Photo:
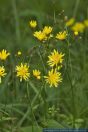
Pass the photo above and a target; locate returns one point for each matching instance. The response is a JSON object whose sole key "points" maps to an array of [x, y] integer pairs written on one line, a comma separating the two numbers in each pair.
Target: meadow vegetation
{"points": [[43, 65]]}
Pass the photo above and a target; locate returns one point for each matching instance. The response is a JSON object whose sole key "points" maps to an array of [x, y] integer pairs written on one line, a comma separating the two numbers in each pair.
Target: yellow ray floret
{"points": [[70, 22], [76, 33], [2, 72], [86, 22], [40, 35], [19, 53], [78, 27], [4, 54], [23, 71], [47, 30], [61, 35], [55, 58], [33, 23], [53, 78], [37, 74]]}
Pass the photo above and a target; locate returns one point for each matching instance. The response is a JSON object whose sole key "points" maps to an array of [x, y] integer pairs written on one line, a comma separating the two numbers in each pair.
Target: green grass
{"points": [[24, 107]]}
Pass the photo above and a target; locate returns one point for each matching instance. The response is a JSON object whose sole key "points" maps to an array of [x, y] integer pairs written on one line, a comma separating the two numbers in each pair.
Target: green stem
{"points": [[73, 99], [41, 58], [69, 77], [76, 8], [69, 55], [30, 105], [33, 116], [18, 36], [45, 103]]}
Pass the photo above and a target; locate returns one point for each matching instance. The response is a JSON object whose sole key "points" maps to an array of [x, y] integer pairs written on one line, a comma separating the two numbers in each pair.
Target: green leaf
{"points": [[79, 120], [31, 129], [54, 124]]}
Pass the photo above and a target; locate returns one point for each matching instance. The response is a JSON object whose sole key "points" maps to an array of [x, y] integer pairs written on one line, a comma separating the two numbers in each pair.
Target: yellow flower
{"points": [[86, 22], [19, 53], [37, 73], [53, 78], [76, 33], [40, 35], [78, 27], [55, 58], [70, 22], [47, 30], [23, 71], [4, 54], [2, 72], [33, 23], [61, 35]]}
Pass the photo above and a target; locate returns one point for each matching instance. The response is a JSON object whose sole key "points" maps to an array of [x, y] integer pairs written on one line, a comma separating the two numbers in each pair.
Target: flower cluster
{"points": [[23, 72], [46, 33], [77, 27], [54, 61], [53, 75]]}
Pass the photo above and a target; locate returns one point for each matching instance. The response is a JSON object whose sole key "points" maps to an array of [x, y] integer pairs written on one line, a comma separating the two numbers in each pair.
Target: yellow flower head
{"points": [[78, 27], [86, 22], [47, 30], [19, 53], [55, 58], [61, 35], [4, 54], [53, 78], [76, 33], [2, 72], [40, 35], [33, 23], [23, 71], [37, 73], [70, 22]]}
